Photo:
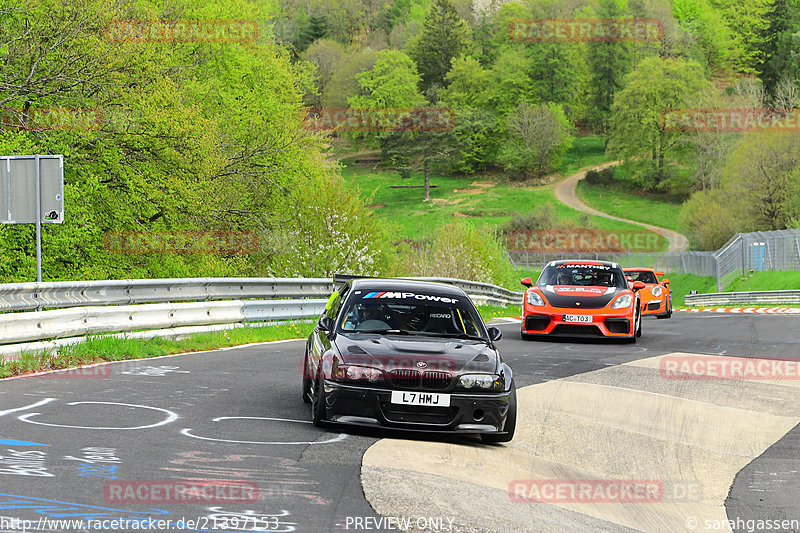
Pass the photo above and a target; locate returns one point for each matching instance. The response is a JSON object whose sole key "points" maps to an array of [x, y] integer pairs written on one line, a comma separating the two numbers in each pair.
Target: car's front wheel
{"points": [[318, 403], [511, 421]]}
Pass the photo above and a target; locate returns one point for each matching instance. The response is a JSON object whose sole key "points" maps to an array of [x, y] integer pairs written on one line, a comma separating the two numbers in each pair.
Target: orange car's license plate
{"points": [[577, 318]]}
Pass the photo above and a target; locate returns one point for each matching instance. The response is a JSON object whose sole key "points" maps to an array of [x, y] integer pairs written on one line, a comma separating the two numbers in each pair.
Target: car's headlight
{"points": [[657, 290], [622, 302], [356, 373], [534, 299], [481, 381]]}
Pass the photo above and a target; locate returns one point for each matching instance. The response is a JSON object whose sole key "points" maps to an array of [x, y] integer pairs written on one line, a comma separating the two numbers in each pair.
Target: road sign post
{"points": [[32, 192]]}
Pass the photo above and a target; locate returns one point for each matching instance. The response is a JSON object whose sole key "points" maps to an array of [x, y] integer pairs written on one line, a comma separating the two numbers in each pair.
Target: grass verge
{"points": [[766, 281], [101, 348], [648, 208]]}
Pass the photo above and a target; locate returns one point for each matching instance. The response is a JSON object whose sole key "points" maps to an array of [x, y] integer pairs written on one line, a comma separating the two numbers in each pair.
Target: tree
{"points": [[637, 135], [608, 64], [510, 82], [316, 28], [391, 82], [538, 138], [325, 55], [415, 151], [444, 36], [708, 29], [746, 21], [478, 128], [762, 179], [344, 81], [781, 45]]}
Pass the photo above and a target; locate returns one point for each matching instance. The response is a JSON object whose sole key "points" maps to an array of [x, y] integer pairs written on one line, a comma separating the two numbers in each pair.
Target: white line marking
{"points": [[31, 406], [171, 417], [188, 432]]}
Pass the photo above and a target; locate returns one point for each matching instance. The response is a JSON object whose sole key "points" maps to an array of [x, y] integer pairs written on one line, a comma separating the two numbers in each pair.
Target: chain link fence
{"points": [[761, 250]]}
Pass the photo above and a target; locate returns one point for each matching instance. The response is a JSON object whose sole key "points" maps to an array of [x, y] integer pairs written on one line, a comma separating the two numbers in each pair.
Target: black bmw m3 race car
{"points": [[408, 355]]}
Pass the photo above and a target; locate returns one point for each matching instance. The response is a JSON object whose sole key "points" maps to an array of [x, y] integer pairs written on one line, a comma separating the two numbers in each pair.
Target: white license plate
{"points": [[577, 318], [421, 398]]}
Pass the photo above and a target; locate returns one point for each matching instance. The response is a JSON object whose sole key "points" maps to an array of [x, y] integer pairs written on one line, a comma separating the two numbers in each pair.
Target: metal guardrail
{"points": [[79, 308], [61, 294], [744, 298]]}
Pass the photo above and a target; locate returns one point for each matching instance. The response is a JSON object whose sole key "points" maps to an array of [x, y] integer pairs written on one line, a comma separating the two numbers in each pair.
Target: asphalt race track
{"points": [[140, 439]]}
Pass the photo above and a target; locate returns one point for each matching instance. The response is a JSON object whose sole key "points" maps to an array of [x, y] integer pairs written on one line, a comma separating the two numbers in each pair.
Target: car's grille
{"points": [[407, 379], [413, 379], [617, 325], [653, 306], [418, 414], [536, 323], [435, 380], [575, 329]]}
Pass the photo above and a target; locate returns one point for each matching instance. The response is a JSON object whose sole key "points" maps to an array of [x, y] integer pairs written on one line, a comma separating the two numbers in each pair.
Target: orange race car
{"points": [[656, 296], [578, 298]]}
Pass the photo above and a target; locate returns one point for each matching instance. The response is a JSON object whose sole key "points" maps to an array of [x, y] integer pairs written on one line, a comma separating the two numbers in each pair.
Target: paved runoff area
{"points": [[694, 428]]}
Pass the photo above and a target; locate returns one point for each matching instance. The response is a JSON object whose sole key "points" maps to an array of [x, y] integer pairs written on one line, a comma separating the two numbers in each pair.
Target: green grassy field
{"points": [[486, 201], [586, 150], [765, 281], [650, 209]]}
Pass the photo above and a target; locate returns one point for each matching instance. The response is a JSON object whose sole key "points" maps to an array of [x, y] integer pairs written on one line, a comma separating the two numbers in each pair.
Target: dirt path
{"points": [[566, 193]]}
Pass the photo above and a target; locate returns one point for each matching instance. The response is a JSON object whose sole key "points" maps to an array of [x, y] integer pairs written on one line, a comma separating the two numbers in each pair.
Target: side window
{"points": [[335, 302]]}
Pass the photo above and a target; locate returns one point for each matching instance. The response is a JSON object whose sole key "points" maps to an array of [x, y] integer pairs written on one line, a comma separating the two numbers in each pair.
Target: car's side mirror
{"points": [[325, 323], [494, 333], [528, 282], [638, 285], [666, 281]]}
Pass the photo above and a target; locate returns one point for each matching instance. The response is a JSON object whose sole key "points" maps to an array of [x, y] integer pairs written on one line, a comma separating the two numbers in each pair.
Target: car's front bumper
{"points": [[468, 413], [552, 323], [656, 306]]}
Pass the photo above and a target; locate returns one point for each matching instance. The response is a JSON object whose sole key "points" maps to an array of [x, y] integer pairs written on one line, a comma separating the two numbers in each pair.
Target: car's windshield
{"points": [[584, 274], [418, 313], [645, 276]]}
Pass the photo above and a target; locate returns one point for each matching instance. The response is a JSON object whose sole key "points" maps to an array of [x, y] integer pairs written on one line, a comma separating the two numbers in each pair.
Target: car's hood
{"points": [[392, 352], [577, 297]]}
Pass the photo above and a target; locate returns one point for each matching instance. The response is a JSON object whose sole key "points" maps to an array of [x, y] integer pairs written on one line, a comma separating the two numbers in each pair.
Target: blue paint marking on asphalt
{"points": [[12, 442], [65, 510]]}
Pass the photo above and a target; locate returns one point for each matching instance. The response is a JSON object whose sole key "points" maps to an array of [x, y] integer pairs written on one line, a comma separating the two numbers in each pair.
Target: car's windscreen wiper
{"points": [[457, 336], [385, 331]]}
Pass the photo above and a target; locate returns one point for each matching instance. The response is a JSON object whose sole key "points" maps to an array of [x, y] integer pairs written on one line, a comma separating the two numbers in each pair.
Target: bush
{"points": [[458, 250], [543, 217], [331, 232], [601, 177], [711, 223]]}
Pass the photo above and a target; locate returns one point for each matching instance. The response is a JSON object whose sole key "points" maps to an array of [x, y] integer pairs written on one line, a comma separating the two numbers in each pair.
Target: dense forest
{"points": [[214, 135], [518, 102]]}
